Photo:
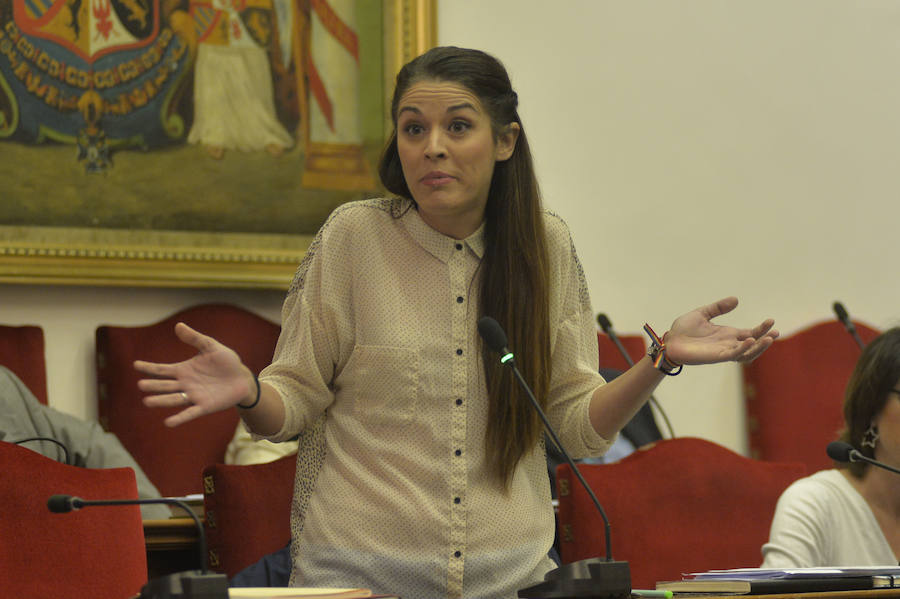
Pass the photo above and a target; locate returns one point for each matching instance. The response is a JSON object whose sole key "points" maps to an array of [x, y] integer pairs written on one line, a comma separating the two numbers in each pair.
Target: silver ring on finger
{"points": [[185, 399]]}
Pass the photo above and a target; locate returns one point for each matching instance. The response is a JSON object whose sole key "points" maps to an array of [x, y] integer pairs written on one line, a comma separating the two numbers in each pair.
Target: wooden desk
{"points": [[171, 546]]}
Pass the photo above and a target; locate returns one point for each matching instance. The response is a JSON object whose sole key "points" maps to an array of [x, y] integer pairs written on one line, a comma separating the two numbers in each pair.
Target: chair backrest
{"points": [[679, 505], [248, 511], [22, 351], [174, 458], [801, 379], [94, 552], [611, 357]]}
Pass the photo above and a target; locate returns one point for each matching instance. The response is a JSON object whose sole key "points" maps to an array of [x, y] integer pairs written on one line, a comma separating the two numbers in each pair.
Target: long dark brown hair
{"points": [[876, 374], [514, 269]]}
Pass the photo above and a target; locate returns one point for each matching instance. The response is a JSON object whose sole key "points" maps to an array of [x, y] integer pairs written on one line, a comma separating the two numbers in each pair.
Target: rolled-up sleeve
{"points": [[315, 332], [574, 350]]}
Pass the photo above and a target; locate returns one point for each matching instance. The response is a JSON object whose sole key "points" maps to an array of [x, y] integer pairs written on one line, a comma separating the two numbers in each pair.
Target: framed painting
{"points": [[189, 143]]}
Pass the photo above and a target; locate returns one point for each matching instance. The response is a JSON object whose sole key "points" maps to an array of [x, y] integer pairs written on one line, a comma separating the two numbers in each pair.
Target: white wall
{"points": [[705, 148], [698, 149]]}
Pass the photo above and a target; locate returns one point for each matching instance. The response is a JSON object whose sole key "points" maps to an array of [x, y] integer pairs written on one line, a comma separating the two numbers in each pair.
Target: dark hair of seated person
{"points": [[873, 380]]}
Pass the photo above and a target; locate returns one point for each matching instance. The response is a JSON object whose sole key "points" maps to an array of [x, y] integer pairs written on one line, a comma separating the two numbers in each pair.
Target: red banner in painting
{"points": [[335, 26]]}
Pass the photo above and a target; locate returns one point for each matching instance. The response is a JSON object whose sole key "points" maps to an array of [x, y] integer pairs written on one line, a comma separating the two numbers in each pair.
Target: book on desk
{"points": [[758, 581]]}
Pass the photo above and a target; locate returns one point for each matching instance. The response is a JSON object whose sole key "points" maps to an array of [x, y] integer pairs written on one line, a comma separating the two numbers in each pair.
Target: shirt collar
{"points": [[437, 244]]}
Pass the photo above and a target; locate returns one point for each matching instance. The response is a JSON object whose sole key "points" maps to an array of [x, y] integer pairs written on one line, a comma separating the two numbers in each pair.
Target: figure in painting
{"points": [[92, 145], [234, 107]]}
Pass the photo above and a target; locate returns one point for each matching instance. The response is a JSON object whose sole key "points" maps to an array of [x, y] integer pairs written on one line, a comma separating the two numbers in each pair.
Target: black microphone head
{"points": [[841, 312], [492, 333], [839, 451], [60, 504], [604, 322]]}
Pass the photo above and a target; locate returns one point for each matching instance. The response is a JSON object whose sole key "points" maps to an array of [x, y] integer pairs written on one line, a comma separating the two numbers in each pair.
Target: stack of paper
{"points": [[755, 581]]}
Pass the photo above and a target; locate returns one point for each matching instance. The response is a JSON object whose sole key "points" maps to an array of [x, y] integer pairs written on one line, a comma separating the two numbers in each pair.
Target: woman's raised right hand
{"points": [[213, 380]]}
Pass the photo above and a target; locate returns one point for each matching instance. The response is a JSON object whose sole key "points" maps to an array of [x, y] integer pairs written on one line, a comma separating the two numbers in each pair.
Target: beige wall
{"points": [[697, 148], [705, 148]]}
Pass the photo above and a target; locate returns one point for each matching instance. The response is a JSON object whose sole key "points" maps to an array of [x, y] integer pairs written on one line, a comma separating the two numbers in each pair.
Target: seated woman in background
{"points": [[850, 516]]}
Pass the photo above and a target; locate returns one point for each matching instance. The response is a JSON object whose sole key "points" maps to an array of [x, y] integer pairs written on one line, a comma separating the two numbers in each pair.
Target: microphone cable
{"points": [[50, 439]]}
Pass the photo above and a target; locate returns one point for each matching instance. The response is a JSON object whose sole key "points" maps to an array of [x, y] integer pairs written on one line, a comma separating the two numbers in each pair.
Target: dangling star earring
{"points": [[870, 437]]}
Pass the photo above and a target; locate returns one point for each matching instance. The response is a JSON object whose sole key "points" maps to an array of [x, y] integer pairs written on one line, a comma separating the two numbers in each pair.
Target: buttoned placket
{"points": [[459, 284]]}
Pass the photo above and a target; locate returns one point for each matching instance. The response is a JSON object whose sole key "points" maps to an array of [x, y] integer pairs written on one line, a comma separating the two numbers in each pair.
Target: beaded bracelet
{"points": [[258, 395], [657, 353]]}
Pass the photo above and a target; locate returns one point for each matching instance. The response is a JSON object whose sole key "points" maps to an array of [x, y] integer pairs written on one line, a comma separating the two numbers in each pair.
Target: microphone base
{"points": [[585, 579], [191, 584]]}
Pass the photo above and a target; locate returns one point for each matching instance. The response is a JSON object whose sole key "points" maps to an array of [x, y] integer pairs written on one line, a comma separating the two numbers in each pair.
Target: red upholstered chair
{"points": [[679, 505], [174, 458], [794, 393], [94, 552], [611, 357], [22, 351], [248, 511]]}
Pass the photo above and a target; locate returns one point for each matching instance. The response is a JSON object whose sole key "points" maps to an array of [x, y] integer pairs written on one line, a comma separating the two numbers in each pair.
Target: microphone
{"points": [[842, 315], [191, 584], [844, 452], [606, 325], [585, 578]]}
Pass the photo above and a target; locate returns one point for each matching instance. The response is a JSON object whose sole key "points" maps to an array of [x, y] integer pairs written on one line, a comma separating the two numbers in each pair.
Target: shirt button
{"points": [[457, 553], [459, 246], [458, 452], [456, 500], [458, 402], [459, 300], [459, 352]]}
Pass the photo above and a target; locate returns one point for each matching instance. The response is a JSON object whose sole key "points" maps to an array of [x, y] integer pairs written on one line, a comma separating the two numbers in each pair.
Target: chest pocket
{"points": [[386, 384]]}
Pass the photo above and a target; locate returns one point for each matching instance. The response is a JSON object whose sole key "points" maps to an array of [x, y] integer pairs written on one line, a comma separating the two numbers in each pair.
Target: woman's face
{"points": [[887, 448], [448, 150]]}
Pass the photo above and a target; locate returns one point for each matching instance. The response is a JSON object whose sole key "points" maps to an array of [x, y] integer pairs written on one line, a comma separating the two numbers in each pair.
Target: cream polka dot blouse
{"points": [[379, 366]]}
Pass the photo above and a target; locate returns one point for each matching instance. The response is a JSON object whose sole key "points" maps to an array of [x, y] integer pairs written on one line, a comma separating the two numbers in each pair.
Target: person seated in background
{"points": [[27, 422], [243, 450], [850, 515]]}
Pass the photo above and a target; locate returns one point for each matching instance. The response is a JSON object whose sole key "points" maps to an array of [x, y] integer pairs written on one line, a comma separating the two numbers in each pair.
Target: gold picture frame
{"points": [[167, 258]]}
